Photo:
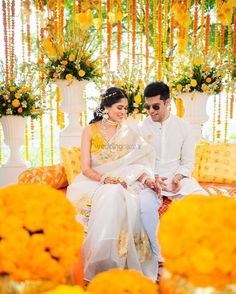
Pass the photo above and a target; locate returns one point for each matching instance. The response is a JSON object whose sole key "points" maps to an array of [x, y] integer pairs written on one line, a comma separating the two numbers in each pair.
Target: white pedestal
{"points": [[13, 134], [195, 111], [9, 175], [73, 104]]}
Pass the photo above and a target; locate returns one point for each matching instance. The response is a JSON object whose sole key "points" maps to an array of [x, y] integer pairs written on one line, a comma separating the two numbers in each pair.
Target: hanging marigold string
{"points": [[214, 120], [100, 38], [159, 72], [141, 36], [128, 33], [119, 32], [171, 47], [202, 18], [226, 115], [222, 39], [147, 20], [164, 43], [8, 9], [195, 22], [234, 50], [109, 35], [79, 5], [155, 30], [207, 34], [133, 30], [231, 111], [51, 127], [218, 134], [216, 42]]}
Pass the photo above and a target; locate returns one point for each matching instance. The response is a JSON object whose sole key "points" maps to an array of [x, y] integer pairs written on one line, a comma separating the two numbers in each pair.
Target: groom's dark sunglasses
{"points": [[154, 106]]}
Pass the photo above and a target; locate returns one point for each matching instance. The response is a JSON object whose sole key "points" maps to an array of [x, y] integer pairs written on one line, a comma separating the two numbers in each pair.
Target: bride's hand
{"points": [[113, 180]]}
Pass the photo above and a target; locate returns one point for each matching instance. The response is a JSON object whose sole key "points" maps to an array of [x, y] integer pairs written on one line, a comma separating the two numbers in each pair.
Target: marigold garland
{"points": [[147, 19], [197, 254], [132, 282], [39, 237]]}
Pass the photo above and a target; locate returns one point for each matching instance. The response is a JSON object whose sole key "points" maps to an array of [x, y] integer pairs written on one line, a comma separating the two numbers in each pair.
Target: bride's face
{"points": [[117, 112]]}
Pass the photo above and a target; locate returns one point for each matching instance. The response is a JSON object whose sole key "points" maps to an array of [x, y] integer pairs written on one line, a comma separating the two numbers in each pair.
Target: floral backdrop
{"points": [[93, 39]]}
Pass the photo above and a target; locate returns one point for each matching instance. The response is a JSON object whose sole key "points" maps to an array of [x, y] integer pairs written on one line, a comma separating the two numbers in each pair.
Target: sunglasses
{"points": [[154, 106]]}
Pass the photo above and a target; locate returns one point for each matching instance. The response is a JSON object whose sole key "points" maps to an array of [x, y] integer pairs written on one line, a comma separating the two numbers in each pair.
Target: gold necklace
{"points": [[110, 122]]}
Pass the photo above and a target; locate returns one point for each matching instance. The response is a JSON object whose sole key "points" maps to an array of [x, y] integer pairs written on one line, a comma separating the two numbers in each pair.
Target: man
{"points": [[173, 143]]}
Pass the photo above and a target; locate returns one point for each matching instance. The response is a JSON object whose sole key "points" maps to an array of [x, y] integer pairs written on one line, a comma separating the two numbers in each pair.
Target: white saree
{"points": [[115, 235]]}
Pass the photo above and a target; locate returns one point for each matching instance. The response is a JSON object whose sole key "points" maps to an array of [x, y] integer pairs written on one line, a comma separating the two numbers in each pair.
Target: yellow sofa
{"points": [[215, 169]]}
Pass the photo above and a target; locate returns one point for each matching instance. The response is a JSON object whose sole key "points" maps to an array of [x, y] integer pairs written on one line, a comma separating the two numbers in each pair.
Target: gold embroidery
{"points": [[122, 244], [142, 245]]}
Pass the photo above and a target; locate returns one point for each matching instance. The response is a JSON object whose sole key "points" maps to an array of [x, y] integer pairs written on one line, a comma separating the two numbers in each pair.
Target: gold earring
{"points": [[105, 114]]}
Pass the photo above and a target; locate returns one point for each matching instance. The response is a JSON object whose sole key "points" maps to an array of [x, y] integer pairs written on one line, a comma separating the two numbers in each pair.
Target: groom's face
{"points": [[157, 108]]}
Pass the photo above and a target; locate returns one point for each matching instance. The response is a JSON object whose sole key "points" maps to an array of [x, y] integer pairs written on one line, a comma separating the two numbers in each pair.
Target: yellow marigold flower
{"points": [[19, 110], [207, 68], [109, 282], [197, 62], [64, 289], [40, 228], [204, 88], [141, 84], [32, 96], [193, 83], [69, 77], [85, 19], [17, 95], [138, 99], [64, 62], [81, 73], [111, 17], [208, 80], [71, 57], [179, 87], [200, 258], [12, 89], [15, 103]]}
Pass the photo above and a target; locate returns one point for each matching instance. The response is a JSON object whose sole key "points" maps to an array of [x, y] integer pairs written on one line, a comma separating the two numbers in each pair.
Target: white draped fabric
{"points": [[115, 235]]}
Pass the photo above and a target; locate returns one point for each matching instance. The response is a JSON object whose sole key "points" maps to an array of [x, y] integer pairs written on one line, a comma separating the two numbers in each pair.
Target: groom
{"points": [[173, 144]]}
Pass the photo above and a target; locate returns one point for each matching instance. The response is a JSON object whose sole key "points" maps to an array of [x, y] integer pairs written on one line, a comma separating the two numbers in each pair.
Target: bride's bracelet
{"points": [[104, 177]]}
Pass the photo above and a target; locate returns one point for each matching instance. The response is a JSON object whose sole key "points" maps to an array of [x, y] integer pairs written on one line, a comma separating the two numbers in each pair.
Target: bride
{"points": [[116, 163]]}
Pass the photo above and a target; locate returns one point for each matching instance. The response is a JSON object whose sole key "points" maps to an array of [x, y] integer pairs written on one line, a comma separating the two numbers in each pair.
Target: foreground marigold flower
{"points": [[121, 282], [198, 240]]}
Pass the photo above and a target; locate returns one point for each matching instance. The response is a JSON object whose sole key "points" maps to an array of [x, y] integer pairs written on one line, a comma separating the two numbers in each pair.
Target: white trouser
{"points": [[149, 205]]}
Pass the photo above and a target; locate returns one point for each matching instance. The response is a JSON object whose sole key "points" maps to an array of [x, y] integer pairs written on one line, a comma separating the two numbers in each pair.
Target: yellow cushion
{"points": [[54, 176], [218, 163], [199, 152], [70, 158]]}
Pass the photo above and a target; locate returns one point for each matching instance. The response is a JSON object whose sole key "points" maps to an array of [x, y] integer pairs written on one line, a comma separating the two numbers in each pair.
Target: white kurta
{"points": [[174, 147]]}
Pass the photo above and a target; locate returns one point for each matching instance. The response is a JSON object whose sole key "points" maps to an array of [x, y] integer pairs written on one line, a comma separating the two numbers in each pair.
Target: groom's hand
{"points": [[176, 186], [162, 182], [152, 184]]}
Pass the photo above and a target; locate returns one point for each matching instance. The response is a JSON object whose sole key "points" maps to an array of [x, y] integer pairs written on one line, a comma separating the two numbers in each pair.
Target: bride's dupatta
{"points": [[111, 213]]}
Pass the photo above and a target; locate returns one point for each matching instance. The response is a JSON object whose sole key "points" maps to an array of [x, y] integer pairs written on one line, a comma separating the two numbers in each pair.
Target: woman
{"points": [[115, 163]]}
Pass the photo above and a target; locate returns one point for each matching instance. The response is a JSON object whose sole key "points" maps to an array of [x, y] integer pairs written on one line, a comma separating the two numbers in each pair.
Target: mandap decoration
{"points": [[198, 262], [71, 64], [194, 83], [40, 241]]}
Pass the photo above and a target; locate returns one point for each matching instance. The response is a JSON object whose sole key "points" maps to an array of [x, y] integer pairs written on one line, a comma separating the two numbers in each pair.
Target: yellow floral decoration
{"points": [[39, 237], [121, 282], [198, 241]]}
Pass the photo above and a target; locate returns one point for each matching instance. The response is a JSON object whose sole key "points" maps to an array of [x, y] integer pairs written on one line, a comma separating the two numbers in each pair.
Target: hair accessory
{"points": [[99, 112], [105, 96]]}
